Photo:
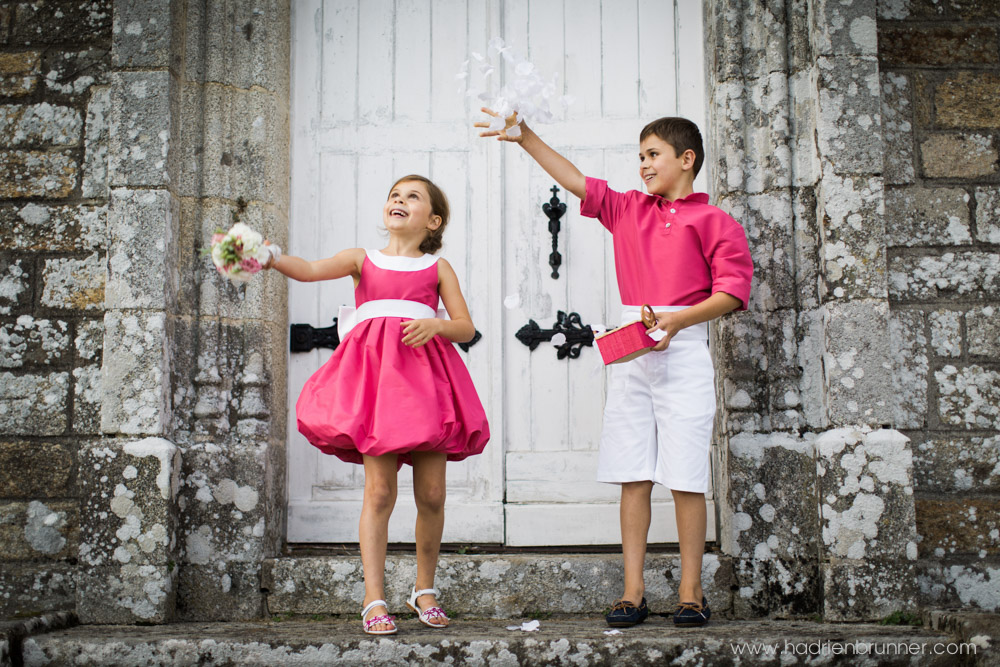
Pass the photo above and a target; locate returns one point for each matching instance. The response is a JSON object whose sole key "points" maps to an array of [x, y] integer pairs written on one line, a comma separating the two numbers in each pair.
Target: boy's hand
{"points": [[418, 333], [503, 135], [666, 321]]}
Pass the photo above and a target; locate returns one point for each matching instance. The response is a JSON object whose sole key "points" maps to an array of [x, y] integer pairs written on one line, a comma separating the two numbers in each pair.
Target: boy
{"points": [[691, 262]]}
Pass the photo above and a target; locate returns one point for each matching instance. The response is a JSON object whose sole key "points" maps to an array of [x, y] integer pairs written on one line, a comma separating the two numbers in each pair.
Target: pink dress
{"points": [[378, 396]]}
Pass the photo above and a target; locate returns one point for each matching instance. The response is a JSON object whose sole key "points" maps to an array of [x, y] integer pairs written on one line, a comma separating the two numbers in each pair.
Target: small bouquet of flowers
{"points": [[240, 253]]}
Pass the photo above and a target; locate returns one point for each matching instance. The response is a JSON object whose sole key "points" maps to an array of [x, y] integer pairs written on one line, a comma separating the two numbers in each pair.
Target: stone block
{"points": [[46, 228], [89, 341], [949, 155], [957, 464], [38, 174], [968, 397], [32, 342], [776, 588], [907, 45], [958, 526], [857, 362], [28, 589], [19, 72], [142, 132], [955, 584], [740, 340], [143, 32], [74, 284], [969, 100], [768, 221], [866, 495], [227, 592], [33, 404], [897, 128], [128, 538], [15, 286], [983, 332], [927, 216], [807, 239], [95, 162], [135, 384], [849, 124], [87, 399], [951, 275], [960, 10], [54, 22], [731, 167], [946, 332], [51, 465], [853, 237], [71, 74], [35, 124], [867, 590], [909, 355], [806, 165], [812, 384], [724, 28], [37, 530], [843, 29], [767, 133], [142, 267], [988, 214]]}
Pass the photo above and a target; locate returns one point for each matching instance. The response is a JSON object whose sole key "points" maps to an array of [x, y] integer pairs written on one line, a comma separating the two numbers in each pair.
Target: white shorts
{"points": [[659, 413]]}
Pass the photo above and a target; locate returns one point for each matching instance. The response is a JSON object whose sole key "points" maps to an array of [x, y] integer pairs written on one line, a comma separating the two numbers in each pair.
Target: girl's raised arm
{"points": [[344, 263]]}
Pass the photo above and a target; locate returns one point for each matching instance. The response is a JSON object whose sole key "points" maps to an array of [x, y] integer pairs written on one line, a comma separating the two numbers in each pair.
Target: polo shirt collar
{"points": [[694, 198]]}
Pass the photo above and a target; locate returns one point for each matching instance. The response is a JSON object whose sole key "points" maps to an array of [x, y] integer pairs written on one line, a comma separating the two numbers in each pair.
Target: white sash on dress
{"points": [[348, 316]]}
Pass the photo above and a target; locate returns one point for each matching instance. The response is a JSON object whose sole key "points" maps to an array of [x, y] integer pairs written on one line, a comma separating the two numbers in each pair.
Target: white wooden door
{"points": [[374, 97]]}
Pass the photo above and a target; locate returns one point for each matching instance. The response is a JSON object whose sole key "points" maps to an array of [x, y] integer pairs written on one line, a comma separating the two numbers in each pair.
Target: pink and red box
{"points": [[629, 340]]}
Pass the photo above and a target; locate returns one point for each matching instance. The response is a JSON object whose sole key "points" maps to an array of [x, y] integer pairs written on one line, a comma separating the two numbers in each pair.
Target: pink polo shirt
{"points": [[671, 253]]}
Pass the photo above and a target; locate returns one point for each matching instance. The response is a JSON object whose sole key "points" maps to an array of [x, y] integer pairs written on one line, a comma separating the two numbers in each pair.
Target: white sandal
{"points": [[427, 616], [375, 620]]}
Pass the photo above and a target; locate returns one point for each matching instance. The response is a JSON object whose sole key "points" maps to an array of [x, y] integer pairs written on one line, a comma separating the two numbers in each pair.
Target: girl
{"points": [[396, 391]]}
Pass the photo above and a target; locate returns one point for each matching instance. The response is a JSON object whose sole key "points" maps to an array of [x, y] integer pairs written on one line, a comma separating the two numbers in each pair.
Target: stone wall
{"points": [[940, 76], [55, 62]]}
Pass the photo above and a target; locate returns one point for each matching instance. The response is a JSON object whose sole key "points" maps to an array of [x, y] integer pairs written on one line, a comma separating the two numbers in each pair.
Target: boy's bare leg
{"points": [[635, 516], [373, 529], [429, 494], [691, 525]]}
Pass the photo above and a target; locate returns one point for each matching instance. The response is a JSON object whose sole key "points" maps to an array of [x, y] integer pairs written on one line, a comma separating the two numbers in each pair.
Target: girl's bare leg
{"points": [[429, 494], [373, 530]]}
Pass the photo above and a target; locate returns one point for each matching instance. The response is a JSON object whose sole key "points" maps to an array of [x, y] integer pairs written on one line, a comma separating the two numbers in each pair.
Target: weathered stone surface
{"points": [[945, 155], [908, 344], [41, 227], [962, 10], [969, 100], [897, 128], [983, 332], [142, 269], [142, 129], [849, 123], [135, 383], [51, 465], [51, 22], [487, 586], [32, 342], [957, 464], [853, 237], [776, 587], [857, 362], [866, 495], [964, 526], [71, 74], [937, 45], [767, 133], [968, 397], [142, 33], [226, 591], [89, 341], [15, 285], [95, 163], [927, 216], [955, 584], [844, 29], [38, 530], [32, 588], [33, 404], [39, 124], [946, 332], [87, 399], [19, 72], [38, 174], [74, 284], [868, 589], [988, 214], [128, 530], [974, 275]]}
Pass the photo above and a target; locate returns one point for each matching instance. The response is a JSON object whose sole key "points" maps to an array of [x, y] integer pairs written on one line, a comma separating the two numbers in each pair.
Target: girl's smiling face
{"points": [[409, 209]]}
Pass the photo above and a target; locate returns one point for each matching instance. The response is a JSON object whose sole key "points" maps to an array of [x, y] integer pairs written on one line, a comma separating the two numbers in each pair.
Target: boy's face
{"points": [[660, 168]]}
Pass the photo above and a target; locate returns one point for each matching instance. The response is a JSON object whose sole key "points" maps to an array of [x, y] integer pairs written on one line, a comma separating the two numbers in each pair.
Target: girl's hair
{"points": [[439, 207]]}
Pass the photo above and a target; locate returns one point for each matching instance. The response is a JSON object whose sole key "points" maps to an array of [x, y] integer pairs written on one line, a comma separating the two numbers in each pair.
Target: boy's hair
{"points": [[680, 133], [439, 207]]}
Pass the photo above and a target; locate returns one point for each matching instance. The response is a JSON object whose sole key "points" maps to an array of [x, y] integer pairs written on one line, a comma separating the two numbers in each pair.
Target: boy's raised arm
{"points": [[557, 166]]}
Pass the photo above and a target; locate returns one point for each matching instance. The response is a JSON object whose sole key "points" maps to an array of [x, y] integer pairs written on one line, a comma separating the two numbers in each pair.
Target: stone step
{"points": [[558, 641], [489, 585]]}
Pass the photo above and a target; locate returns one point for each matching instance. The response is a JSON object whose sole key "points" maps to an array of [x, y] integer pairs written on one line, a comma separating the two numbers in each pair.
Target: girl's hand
{"points": [[502, 135], [417, 333], [666, 321], [270, 260]]}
